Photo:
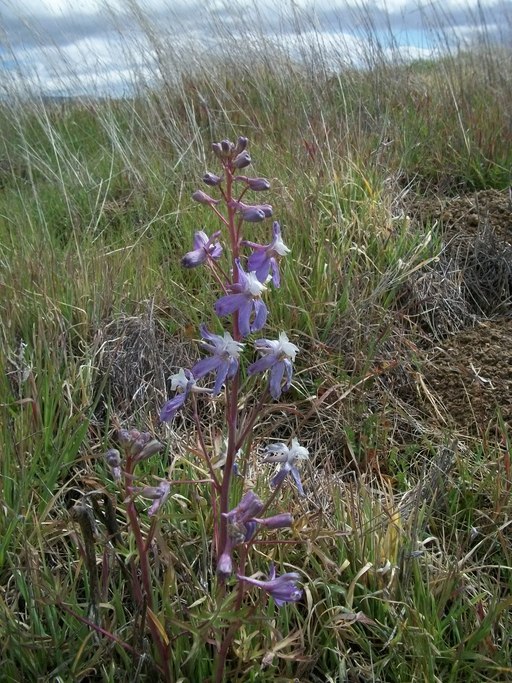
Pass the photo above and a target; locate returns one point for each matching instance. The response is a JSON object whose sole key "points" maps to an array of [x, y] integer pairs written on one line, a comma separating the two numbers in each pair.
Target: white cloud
{"points": [[87, 44]]}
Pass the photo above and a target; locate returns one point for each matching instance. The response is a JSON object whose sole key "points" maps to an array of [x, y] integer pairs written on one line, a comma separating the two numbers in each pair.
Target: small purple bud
{"points": [[139, 444], [277, 521], [258, 184], [227, 147], [242, 160], [211, 179], [158, 494], [225, 565], [241, 144], [266, 208], [149, 449], [217, 149], [113, 458], [203, 198], [124, 438], [253, 214]]}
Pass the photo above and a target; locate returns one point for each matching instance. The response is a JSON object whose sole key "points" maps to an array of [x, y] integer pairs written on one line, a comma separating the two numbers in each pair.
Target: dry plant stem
{"points": [[218, 273], [204, 450], [145, 570], [228, 639], [232, 419], [251, 420], [102, 631], [83, 515]]}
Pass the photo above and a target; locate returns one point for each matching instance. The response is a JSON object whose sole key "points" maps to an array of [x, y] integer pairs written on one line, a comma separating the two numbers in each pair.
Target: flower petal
{"points": [[229, 303], [222, 373], [276, 379], [206, 365], [170, 408], [296, 477], [261, 315], [278, 478], [244, 316], [262, 364]]}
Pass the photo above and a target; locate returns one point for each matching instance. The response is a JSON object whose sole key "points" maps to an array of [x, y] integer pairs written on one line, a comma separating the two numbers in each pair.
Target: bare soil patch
{"points": [[464, 304]]}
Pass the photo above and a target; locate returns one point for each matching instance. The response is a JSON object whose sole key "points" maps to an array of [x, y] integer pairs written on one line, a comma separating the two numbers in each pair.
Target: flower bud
{"points": [[242, 160], [276, 521], [227, 148], [217, 149], [124, 438], [211, 179], [253, 214], [139, 444], [241, 144], [113, 458], [203, 198], [149, 449], [258, 184], [225, 565]]}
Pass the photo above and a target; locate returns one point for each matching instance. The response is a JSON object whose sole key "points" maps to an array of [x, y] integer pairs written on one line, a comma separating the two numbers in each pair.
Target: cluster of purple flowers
{"points": [[252, 270], [243, 297]]}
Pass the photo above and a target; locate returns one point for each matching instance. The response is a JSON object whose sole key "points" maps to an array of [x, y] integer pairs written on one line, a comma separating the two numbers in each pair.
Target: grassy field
{"points": [[403, 539]]}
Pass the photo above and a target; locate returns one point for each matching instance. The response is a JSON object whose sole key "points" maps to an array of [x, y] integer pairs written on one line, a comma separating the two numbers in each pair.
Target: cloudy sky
{"points": [[58, 47]]}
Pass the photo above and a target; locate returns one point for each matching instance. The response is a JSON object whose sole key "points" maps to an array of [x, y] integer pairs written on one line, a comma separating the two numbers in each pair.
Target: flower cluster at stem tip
{"points": [[243, 289]]}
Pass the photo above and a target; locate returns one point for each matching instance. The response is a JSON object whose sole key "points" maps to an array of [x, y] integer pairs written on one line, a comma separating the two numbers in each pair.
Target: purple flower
{"points": [[277, 356], [265, 258], [204, 248], [242, 524], [203, 198], [158, 494], [183, 383], [245, 298], [241, 144], [243, 519], [224, 359], [288, 458], [282, 588], [280, 521], [225, 564]]}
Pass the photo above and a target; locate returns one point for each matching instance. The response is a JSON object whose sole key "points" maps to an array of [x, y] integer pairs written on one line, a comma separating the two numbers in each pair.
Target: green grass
{"points": [[95, 213]]}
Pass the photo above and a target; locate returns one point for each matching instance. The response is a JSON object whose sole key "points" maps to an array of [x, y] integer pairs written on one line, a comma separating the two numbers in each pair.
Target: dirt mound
{"points": [[468, 378], [463, 302], [467, 214]]}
